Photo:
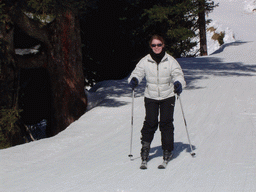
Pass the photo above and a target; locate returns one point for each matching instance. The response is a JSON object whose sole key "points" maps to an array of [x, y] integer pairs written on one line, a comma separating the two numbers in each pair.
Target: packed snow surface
{"points": [[220, 108]]}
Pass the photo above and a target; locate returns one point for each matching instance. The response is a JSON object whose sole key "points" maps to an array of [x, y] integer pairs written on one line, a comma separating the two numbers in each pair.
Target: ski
{"points": [[165, 162], [163, 165], [143, 165]]}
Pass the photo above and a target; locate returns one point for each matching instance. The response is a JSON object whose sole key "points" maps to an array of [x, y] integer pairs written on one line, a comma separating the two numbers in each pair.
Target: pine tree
{"points": [[203, 7], [174, 20], [178, 20]]}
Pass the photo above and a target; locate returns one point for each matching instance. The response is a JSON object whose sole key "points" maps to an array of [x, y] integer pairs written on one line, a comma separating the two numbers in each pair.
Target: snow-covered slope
{"points": [[220, 107], [236, 19]]}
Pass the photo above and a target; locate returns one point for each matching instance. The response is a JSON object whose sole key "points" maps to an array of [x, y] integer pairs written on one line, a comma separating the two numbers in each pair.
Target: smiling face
{"points": [[157, 46]]}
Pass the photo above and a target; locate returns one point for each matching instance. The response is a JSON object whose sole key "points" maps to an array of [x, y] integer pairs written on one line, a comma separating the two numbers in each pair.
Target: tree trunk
{"points": [[66, 73], [64, 62], [202, 28]]}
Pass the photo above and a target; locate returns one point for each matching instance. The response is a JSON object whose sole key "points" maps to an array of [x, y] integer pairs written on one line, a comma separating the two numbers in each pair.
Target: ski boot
{"points": [[144, 154], [167, 155], [145, 150]]}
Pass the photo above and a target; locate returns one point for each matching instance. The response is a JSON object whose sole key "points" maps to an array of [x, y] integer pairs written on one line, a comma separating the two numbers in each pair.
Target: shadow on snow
{"points": [[178, 148], [221, 49], [194, 69]]}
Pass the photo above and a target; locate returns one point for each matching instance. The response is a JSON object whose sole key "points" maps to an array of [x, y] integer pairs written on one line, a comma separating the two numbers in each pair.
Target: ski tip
{"points": [[161, 167], [193, 154], [143, 167]]}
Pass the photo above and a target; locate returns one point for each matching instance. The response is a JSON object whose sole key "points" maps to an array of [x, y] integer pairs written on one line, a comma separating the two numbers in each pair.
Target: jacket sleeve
{"points": [[177, 73], [138, 72]]}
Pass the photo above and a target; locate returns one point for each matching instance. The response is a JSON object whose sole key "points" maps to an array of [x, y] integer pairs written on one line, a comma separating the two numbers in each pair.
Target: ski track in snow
{"points": [[92, 153]]}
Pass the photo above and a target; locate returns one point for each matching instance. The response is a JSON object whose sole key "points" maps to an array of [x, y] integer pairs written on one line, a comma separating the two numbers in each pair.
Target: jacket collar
{"points": [[150, 59]]}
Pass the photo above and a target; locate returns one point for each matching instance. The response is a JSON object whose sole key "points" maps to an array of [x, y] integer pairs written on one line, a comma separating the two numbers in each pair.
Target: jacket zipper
{"points": [[158, 80]]}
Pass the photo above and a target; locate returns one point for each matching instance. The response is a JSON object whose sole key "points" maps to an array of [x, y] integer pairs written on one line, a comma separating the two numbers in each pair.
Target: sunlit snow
{"points": [[220, 108]]}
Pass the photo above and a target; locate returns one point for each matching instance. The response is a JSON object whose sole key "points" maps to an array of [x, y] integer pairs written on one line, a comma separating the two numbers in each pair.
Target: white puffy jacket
{"points": [[160, 77]]}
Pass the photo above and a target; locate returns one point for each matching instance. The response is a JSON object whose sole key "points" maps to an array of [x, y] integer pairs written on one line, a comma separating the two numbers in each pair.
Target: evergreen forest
{"points": [[81, 42]]}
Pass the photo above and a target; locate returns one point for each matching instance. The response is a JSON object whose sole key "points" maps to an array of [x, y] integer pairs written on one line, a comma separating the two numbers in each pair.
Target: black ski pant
{"points": [[166, 109]]}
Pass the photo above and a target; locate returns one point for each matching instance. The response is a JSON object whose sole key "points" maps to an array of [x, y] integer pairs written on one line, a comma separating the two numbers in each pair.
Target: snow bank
{"points": [[96, 94], [213, 45], [250, 6]]}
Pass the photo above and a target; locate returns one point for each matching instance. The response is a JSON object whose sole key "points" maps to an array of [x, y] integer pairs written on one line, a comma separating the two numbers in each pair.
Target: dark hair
{"points": [[158, 37]]}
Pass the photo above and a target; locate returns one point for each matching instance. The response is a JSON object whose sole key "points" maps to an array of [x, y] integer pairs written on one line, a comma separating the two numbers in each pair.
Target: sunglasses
{"points": [[158, 45]]}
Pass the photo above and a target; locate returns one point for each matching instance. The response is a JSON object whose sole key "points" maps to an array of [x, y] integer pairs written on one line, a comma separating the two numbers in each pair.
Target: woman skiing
{"points": [[164, 78]]}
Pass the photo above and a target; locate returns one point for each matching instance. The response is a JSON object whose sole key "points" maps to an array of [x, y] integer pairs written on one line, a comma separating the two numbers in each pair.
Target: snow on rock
{"points": [[212, 44], [250, 6]]}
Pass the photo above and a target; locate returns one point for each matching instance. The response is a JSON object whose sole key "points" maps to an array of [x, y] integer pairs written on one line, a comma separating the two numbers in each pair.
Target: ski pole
{"points": [[185, 122], [130, 155]]}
